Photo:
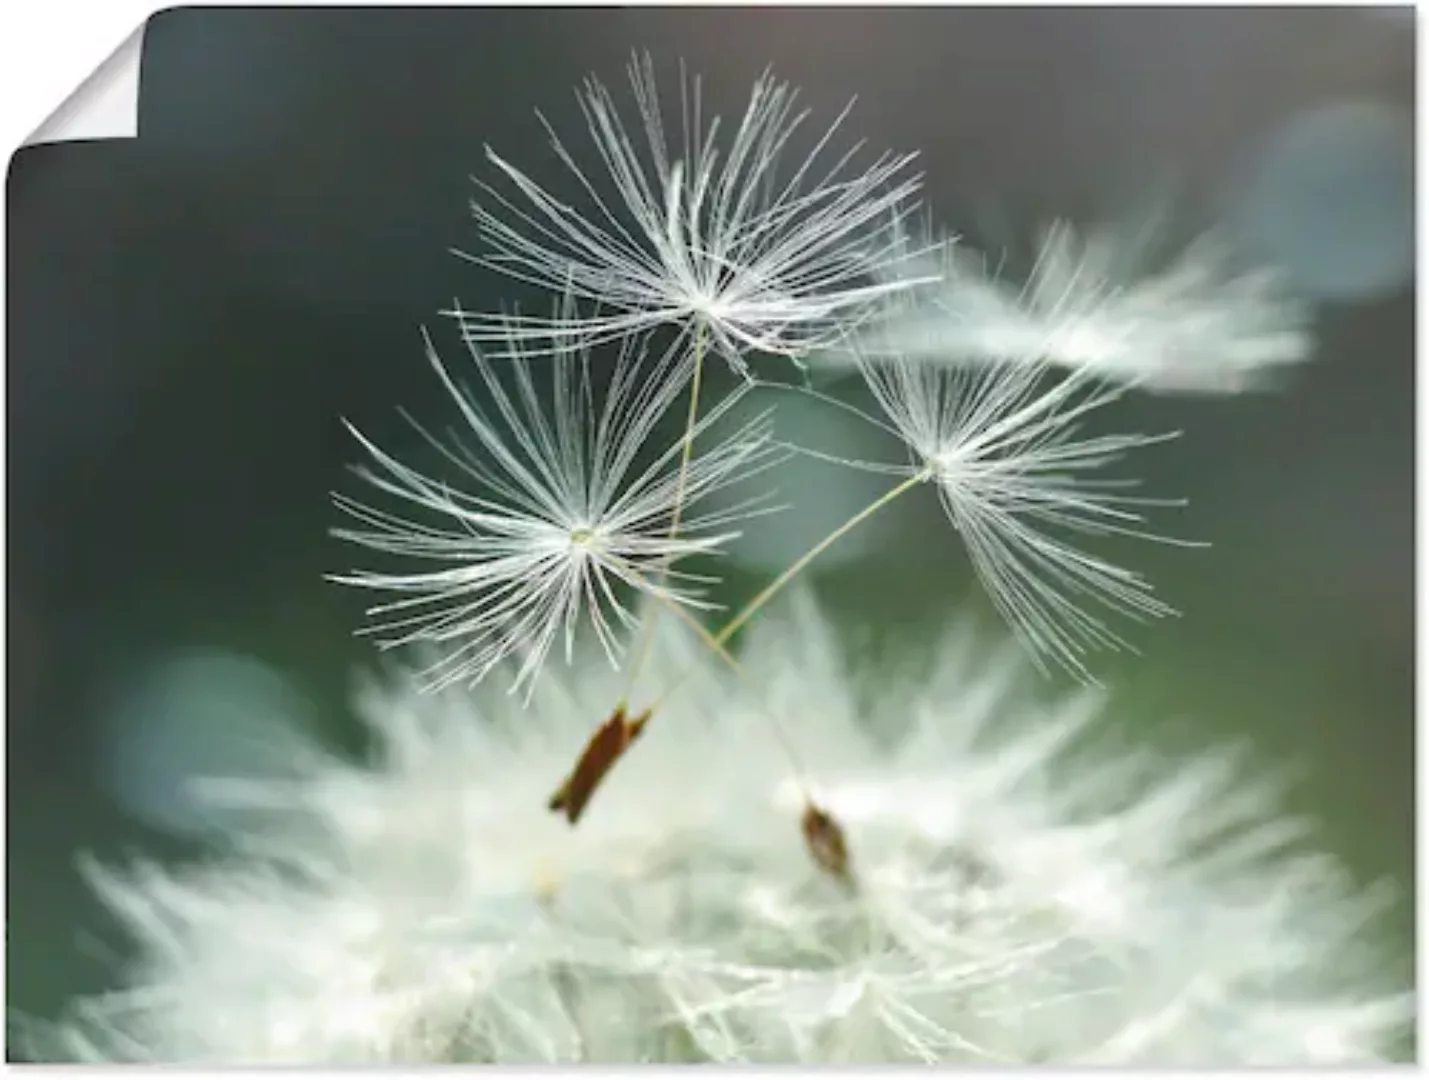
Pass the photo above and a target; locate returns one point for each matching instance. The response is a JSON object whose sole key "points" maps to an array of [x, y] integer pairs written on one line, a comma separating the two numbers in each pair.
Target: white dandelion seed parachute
{"points": [[1095, 302], [712, 238], [1001, 442], [560, 514], [1026, 892]]}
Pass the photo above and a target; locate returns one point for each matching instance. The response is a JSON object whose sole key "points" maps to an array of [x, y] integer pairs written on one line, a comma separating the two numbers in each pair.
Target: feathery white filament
{"points": [[1001, 444], [1198, 325], [560, 515], [716, 237]]}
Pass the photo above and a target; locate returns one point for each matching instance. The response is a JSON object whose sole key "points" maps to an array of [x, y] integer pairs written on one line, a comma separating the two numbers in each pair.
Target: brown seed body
{"points": [[609, 741], [824, 838]]}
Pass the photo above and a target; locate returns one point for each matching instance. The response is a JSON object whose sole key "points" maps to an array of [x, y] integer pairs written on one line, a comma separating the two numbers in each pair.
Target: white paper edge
{"points": [[105, 106]]}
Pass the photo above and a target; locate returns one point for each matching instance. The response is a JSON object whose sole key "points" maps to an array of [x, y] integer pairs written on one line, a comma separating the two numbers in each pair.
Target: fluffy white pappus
{"points": [[713, 237], [1002, 443], [562, 513], [1022, 890], [1093, 302]]}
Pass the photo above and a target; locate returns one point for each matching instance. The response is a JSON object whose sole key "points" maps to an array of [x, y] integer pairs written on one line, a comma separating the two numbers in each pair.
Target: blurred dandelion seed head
{"points": [[1121, 304], [1026, 891]]}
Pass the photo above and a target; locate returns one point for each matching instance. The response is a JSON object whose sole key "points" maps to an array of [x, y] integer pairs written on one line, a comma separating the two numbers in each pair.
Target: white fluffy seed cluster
{"points": [[697, 241], [1023, 892]]}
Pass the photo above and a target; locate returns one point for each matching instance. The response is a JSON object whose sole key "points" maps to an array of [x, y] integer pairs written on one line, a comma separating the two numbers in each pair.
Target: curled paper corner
{"points": [[105, 105]]}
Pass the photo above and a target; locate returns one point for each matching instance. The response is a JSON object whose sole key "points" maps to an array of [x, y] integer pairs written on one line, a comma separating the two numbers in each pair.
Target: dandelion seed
{"points": [[423, 908], [1200, 324], [560, 516], [711, 236], [1002, 446]]}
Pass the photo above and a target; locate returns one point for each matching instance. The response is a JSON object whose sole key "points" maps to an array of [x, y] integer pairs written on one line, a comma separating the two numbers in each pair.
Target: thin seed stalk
{"points": [[768, 593], [610, 741], [614, 737], [719, 640], [647, 630]]}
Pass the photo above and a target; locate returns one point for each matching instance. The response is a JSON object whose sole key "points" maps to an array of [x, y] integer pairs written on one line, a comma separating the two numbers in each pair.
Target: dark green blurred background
{"points": [[191, 312]]}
